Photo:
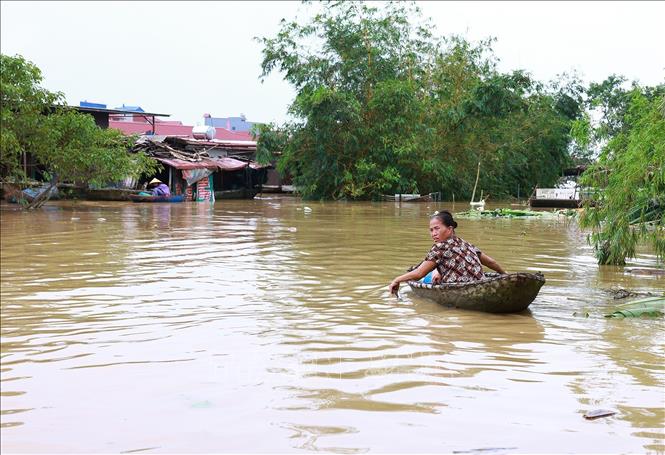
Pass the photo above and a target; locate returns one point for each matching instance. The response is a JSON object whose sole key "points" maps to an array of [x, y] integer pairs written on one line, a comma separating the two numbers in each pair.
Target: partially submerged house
{"points": [[190, 154], [206, 169]]}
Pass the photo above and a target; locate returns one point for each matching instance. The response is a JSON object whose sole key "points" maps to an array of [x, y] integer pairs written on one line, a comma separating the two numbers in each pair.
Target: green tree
{"points": [[384, 106], [629, 177], [353, 67], [68, 144], [23, 104]]}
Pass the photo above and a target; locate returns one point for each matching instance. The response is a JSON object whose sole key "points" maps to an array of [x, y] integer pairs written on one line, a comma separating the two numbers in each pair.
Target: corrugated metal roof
{"points": [[130, 108], [116, 111], [231, 164], [182, 164], [225, 164], [92, 105]]}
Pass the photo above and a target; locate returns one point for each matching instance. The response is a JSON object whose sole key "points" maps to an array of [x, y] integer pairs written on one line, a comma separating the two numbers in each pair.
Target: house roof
{"points": [[161, 128], [225, 164], [91, 104], [130, 108], [114, 111], [171, 128], [231, 164], [236, 124], [182, 164], [219, 143], [177, 153]]}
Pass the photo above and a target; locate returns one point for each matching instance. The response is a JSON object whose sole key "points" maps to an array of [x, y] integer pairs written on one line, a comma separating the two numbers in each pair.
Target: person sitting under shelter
{"points": [[158, 188]]}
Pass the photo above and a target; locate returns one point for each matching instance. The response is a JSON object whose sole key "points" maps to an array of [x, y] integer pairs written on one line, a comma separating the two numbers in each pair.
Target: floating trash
{"points": [[655, 272], [598, 413]]}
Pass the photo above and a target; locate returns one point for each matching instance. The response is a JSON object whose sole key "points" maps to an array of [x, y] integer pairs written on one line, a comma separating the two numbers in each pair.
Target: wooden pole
{"points": [[473, 195]]}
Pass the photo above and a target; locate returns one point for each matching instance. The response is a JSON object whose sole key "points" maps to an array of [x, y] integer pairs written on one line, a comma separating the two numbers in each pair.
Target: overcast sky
{"points": [[186, 59]]}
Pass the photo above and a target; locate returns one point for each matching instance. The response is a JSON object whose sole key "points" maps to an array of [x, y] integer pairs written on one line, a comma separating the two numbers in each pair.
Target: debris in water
{"points": [[652, 306], [598, 413], [621, 293], [655, 272], [617, 292], [512, 213]]}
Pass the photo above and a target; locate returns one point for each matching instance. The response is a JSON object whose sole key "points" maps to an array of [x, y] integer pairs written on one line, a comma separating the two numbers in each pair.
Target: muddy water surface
{"points": [[266, 326]]}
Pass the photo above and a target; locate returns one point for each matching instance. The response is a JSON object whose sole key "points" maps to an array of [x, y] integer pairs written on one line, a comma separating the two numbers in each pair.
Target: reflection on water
{"points": [[190, 327]]}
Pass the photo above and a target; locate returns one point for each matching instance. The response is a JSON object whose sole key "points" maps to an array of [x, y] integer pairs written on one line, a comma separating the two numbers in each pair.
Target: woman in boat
{"points": [[452, 259], [158, 188]]}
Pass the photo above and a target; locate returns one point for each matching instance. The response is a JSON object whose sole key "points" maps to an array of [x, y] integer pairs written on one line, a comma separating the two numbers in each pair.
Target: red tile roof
{"points": [[175, 128]]}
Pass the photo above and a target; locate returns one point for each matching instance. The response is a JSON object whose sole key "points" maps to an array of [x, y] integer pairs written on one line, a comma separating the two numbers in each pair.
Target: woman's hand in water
{"points": [[423, 269], [436, 277]]}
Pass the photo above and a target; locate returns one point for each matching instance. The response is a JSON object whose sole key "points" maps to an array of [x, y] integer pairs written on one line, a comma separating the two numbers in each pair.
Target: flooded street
{"points": [[266, 325]]}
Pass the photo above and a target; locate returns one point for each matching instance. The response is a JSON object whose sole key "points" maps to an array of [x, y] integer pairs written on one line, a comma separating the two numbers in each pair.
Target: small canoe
{"points": [[555, 203], [241, 193], [510, 293], [409, 197], [137, 198]]}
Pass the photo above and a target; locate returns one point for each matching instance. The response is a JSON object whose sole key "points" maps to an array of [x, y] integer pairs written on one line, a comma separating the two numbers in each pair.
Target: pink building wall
{"points": [[175, 128]]}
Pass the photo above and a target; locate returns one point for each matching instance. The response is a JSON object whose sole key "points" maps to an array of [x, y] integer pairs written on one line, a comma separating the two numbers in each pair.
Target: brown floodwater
{"points": [[266, 326]]}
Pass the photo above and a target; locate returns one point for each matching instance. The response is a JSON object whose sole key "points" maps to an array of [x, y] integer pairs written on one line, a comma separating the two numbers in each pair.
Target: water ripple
{"points": [[190, 327]]}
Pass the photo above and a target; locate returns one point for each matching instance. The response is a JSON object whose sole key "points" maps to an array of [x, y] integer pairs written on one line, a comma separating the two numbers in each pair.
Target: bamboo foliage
{"points": [[630, 178], [383, 105]]}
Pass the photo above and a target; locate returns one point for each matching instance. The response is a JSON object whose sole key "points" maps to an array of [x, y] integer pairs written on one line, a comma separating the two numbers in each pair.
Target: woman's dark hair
{"points": [[445, 217]]}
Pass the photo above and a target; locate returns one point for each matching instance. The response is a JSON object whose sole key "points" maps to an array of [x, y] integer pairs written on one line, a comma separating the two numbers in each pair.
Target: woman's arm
{"points": [[491, 263], [423, 269]]}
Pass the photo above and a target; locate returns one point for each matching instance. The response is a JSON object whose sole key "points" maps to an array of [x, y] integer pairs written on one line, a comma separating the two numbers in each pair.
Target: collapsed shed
{"points": [[206, 169]]}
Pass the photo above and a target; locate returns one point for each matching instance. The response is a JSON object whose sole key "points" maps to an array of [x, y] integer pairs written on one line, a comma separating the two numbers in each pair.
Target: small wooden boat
{"points": [[555, 203], [240, 193], [103, 194], [137, 198], [558, 198], [495, 293], [430, 197]]}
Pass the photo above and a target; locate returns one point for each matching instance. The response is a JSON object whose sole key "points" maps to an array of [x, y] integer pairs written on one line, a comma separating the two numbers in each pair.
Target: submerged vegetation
{"points": [[515, 213], [383, 105]]}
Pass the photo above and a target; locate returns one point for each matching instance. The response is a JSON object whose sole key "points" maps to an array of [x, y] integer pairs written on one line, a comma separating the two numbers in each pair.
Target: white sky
{"points": [[186, 59]]}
